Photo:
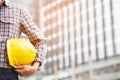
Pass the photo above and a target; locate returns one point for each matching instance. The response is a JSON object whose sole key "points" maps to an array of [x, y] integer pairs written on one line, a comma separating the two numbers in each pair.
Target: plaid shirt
{"points": [[14, 20]]}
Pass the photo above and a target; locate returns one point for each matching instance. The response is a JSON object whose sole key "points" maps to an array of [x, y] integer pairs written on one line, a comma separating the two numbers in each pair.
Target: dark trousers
{"points": [[8, 74]]}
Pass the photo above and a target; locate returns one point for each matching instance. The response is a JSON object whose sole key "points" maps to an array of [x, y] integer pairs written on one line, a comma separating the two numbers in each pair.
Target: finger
{"points": [[18, 67], [20, 72]]}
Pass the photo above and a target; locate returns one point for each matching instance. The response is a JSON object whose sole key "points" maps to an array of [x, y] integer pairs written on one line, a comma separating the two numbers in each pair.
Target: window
{"points": [[78, 32]]}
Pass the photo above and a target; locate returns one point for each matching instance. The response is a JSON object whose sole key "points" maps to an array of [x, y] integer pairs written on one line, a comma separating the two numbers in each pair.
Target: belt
{"points": [[6, 70]]}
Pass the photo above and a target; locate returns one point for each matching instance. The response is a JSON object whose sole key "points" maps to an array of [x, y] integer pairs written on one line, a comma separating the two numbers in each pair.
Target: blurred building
{"points": [[83, 39], [25, 3]]}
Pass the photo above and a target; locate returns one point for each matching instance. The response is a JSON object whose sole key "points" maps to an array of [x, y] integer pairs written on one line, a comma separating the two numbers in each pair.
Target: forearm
{"points": [[36, 65], [41, 51]]}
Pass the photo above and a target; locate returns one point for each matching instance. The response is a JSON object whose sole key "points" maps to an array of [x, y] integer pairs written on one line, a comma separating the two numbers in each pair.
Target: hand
{"points": [[27, 70]]}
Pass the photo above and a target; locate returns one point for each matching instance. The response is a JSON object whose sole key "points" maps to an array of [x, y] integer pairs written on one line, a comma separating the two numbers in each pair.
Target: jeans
{"points": [[8, 74]]}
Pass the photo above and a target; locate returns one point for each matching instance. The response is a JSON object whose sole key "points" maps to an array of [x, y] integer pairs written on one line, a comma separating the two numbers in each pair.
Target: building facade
{"points": [[83, 39]]}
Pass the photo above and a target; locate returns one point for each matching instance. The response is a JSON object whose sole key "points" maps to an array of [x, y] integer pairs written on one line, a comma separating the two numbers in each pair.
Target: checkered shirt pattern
{"points": [[14, 20]]}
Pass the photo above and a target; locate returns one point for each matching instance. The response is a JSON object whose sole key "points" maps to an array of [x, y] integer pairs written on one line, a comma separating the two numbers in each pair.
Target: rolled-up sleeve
{"points": [[34, 34]]}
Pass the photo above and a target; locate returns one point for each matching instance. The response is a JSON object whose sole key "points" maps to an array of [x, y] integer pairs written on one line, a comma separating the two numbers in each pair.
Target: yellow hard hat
{"points": [[20, 52]]}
